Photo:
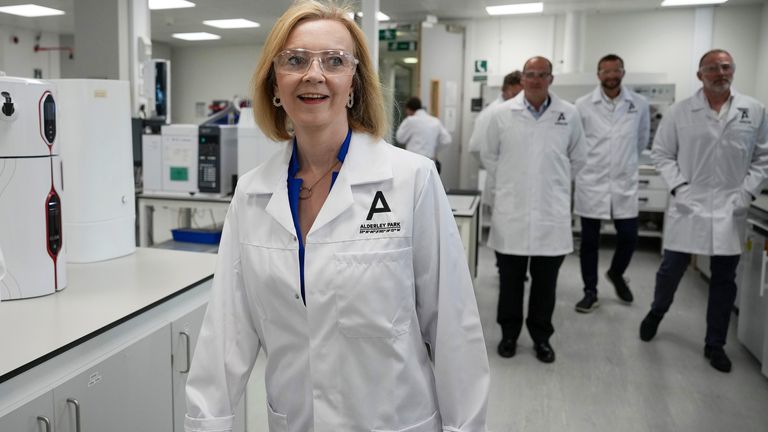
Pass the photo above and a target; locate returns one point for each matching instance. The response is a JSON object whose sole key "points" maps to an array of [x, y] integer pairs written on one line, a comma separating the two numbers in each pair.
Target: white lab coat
{"points": [[723, 163], [379, 285], [423, 134], [475, 144], [607, 186], [533, 162]]}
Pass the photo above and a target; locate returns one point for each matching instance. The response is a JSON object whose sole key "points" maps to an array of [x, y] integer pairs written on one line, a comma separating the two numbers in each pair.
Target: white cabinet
{"points": [[34, 416], [185, 331], [126, 392], [752, 326]]}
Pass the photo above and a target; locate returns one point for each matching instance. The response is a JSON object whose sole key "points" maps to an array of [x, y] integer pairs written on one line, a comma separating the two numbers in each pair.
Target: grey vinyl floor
{"points": [[605, 378]]}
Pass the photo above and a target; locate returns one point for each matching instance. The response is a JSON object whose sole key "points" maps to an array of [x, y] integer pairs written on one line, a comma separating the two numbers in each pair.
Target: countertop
{"points": [[98, 296]]}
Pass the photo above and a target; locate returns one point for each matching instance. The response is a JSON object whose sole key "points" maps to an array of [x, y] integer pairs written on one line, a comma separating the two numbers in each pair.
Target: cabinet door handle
{"points": [[186, 347], [74, 402], [45, 421], [642, 199], [762, 270], [644, 182]]}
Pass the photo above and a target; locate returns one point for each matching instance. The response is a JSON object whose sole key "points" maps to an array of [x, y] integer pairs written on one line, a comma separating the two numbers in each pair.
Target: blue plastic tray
{"points": [[196, 235]]}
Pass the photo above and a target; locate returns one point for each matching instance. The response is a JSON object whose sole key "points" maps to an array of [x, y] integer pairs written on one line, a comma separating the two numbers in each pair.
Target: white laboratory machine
{"points": [[179, 158], [31, 235], [253, 147], [95, 122], [217, 159]]}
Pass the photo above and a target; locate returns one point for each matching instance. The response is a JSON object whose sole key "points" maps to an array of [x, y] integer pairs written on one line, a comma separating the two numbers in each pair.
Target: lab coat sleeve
{"points": [[444, 138], [490, 146], [758, 168], [228, 343], [577, 147], [664, 153], [403, 133], [478, 132], [447, 312], [644, 132]]}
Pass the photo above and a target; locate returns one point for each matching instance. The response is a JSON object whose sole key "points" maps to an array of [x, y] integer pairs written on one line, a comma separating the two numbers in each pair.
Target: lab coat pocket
{"points": [[374, 292], [277, 422], [432, 424]]}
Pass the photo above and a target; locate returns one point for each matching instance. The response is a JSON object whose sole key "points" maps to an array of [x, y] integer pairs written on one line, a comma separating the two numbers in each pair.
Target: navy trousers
{"points": [[626, 242], [722, 290]]}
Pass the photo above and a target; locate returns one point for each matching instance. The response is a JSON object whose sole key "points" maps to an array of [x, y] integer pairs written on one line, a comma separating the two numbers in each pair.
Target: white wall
{"points": [[202, 74], [737, 30], [761, 72], [21, 59]]}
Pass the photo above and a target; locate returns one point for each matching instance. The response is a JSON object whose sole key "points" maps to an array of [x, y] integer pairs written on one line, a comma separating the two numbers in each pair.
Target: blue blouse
{"points": [[294, 186]]}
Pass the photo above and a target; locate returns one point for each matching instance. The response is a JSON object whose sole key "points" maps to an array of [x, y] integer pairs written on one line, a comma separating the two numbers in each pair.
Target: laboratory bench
{"points": [[465, 205], [115, 342]]}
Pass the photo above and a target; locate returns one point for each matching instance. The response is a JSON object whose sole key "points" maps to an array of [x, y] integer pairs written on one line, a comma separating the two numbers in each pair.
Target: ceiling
{"points": [[167, 22]]}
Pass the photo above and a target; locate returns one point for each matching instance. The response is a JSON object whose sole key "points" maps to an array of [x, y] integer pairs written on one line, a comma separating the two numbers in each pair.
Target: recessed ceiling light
{"points": [[410, 60], [380, 16], [30, 10], [691, 2], [232, 23], [196, 36], [169, 4], [514, 9]]}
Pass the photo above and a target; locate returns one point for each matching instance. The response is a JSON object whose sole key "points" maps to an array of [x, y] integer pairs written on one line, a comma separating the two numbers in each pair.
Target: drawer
{"points": [[651, 182], [652, 200]]}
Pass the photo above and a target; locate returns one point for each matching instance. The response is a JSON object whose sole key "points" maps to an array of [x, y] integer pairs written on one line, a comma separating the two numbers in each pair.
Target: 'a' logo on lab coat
{"points": [[378, 199], [379, 205], [561, 120]]}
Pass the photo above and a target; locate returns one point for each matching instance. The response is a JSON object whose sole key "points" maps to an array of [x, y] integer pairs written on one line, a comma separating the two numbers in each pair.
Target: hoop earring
{"points": [[276, 101], [351, 101]]}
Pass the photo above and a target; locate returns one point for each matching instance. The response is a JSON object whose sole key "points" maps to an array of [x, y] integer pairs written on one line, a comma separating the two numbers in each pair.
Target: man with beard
{"points": [[617, 126], [712, 151]]}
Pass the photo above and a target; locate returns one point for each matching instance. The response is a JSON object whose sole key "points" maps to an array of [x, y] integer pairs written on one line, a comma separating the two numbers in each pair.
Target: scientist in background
{"points": [[534, 146], [509, 89], [712, 151], [617, 125], [422, 133], [340, 258]]}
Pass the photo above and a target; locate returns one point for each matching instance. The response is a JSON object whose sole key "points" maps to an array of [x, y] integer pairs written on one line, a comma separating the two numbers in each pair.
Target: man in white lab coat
{"points": [[422, 133], [510, 87], [712, 151], [533, 147], [616, 123]]}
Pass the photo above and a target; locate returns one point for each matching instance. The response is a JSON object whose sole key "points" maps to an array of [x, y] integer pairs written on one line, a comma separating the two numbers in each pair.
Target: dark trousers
{"points": [[626, 242], [541, 302], [722, 290]]}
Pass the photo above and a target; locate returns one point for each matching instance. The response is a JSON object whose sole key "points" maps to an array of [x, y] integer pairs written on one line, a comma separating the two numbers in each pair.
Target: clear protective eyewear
{"points": [[533, 75], [332, 62], [718, 67], [618, 71]]}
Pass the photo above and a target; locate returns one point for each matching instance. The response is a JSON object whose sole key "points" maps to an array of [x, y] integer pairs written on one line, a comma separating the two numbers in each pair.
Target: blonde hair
{"points": [[366, 115]]}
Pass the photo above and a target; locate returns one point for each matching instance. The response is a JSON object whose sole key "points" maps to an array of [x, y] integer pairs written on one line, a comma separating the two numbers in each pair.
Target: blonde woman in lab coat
{"points": [[712, 151], [340, 259]]}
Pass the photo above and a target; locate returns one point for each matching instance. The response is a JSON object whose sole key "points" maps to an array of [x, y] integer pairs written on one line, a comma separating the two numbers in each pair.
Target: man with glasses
{"points": [[533, 147], [617, 125], [712, 151], [422, 133]]}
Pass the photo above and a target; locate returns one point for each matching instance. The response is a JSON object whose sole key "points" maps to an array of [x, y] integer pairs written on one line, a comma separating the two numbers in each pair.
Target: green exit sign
{"points": [[402, 46], [387, 34]]}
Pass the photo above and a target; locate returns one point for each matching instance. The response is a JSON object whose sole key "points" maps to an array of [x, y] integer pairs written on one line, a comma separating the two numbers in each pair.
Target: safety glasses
{"points": [[332, 62]]}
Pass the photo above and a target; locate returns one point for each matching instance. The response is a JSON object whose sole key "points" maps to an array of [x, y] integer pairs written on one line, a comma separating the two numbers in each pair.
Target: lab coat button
{"points": [[298, 296]]}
